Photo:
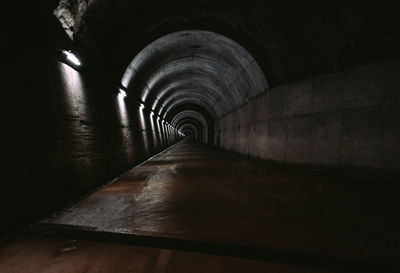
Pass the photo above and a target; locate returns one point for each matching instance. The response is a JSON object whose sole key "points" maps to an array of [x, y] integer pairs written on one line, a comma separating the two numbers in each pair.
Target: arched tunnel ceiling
{"points": [[190, 129], [183, 122], [197, 67], [188, 114], [195, 114], [170, 115], [190, 126], [194, 118], [196, 125], [290, 39]]}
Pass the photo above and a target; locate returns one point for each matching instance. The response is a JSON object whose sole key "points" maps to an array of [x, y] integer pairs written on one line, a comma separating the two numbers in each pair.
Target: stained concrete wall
{"points": [[346, 118]]}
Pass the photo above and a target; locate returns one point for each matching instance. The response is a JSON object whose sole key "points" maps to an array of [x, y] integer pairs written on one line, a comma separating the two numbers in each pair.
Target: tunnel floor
{"points": [[195, 208]]}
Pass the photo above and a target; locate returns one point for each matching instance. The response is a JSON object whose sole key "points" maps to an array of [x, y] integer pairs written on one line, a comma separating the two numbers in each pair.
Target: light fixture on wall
{"points": [[71, 58], [122, 93]]}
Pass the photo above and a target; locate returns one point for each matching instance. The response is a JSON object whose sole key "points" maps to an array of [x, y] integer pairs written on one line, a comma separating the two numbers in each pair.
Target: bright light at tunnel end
{"points": [[72, 58]]}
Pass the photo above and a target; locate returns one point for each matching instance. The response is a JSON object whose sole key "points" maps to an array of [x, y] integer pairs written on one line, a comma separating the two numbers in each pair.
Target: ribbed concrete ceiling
{"points": [[190, 130], [194, 118], [188, 114], [194, 67]]}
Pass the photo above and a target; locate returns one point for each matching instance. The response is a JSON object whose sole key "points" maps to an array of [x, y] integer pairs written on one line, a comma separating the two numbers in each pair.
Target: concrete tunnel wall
{"points": [[104, 132], [347, 118], [72, 134]]}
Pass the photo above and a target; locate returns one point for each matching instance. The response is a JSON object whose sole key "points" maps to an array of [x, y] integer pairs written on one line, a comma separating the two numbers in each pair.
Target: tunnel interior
{"points": [[262, 131], [194, 77]]}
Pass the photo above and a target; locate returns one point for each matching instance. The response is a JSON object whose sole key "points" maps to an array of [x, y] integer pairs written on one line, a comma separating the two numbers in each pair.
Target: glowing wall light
{"points": [[159, 131], [153, 128], [122, 93], [141, 117], [72, 58], [145, 135], [122, 108]]}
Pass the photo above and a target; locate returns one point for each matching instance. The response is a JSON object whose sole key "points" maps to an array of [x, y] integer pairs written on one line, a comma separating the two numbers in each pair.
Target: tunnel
{"points": [[200, 136], [204, 72]]}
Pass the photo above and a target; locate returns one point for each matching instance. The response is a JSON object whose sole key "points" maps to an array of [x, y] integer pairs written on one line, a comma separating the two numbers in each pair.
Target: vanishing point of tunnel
{"points": [[200, 136]]}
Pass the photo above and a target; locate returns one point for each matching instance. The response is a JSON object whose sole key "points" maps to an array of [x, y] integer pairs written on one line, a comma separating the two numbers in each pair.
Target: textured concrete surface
{"points": [[198, 193], [347, 118], [70, 134]]}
